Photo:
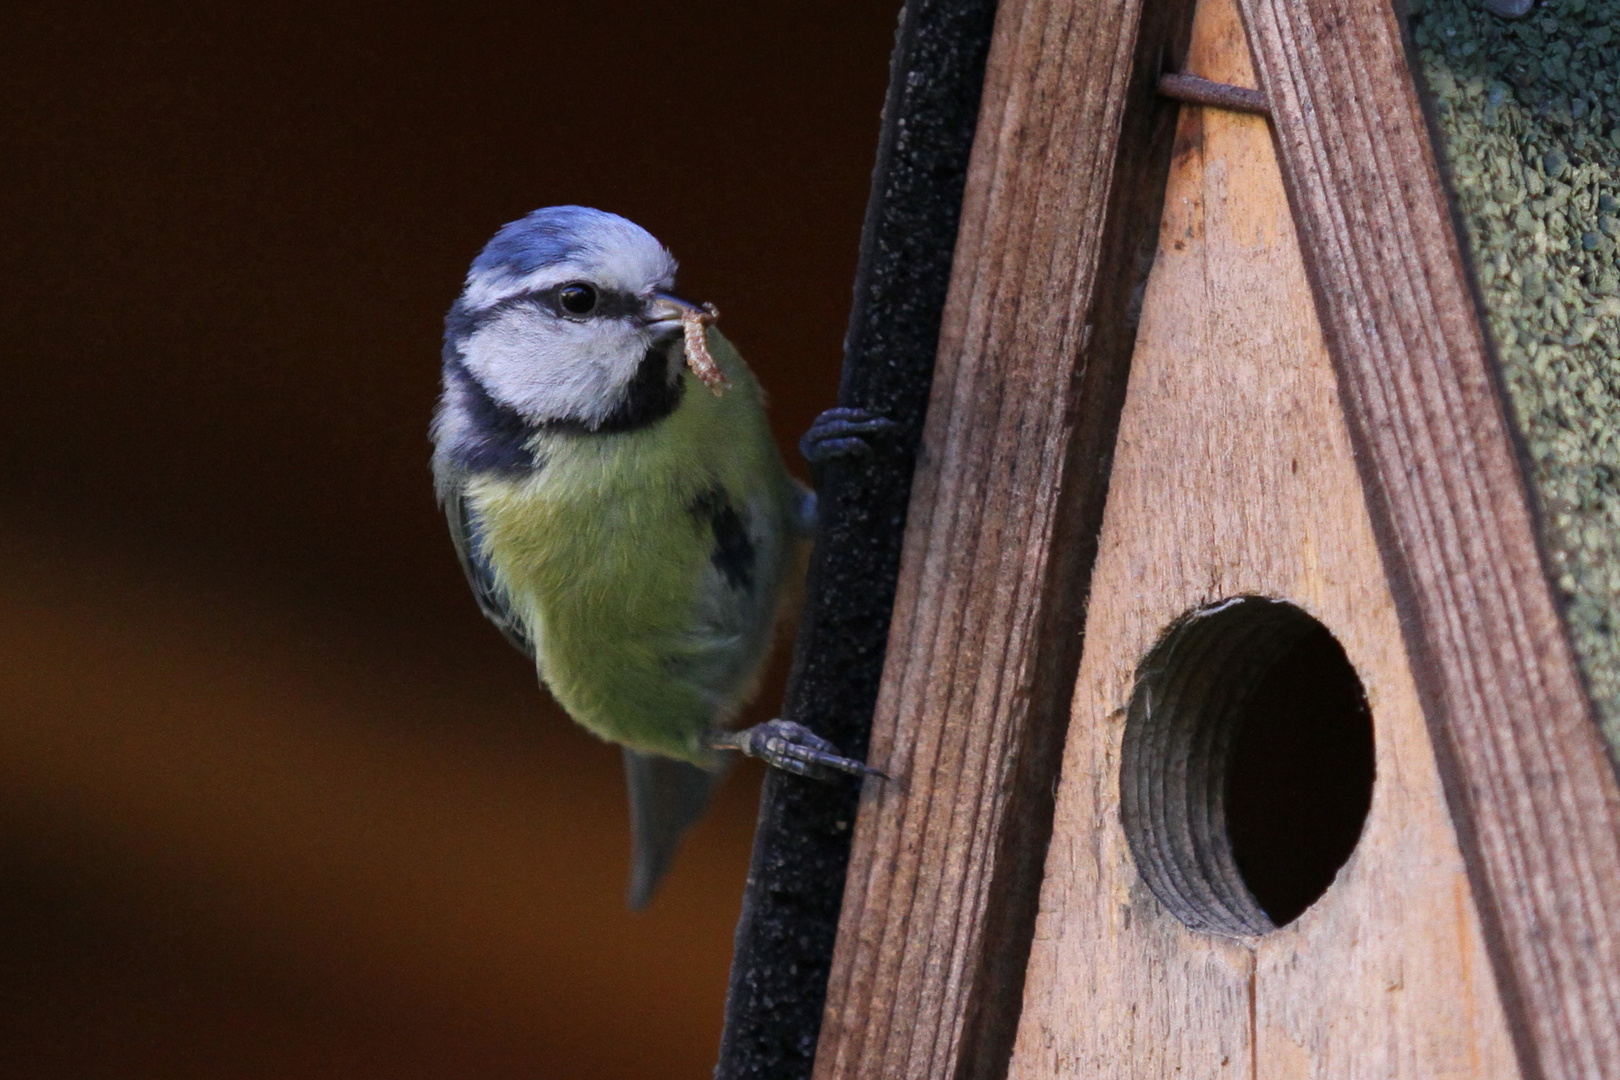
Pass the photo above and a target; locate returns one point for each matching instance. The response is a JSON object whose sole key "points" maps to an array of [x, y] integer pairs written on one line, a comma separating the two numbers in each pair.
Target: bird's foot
{"points": [[843, 433], [792, 748]]}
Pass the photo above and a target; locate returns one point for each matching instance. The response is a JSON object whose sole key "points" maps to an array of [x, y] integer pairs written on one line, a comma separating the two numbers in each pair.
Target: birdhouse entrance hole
{"points": [[1247, 765]]}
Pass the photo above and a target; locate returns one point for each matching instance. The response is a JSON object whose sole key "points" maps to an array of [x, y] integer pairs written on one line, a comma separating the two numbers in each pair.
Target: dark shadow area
{"points": [[1300, 780], [1247, 766]]}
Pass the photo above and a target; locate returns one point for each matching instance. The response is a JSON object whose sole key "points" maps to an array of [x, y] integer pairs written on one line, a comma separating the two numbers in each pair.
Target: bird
{"points": [[620, 509]]}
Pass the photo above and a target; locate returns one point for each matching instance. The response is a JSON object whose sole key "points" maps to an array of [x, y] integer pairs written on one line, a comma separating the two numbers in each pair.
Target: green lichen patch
{"points": [[1529, 119]]}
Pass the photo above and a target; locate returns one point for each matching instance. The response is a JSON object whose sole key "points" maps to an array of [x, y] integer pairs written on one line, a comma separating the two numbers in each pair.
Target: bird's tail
{"points": [[666, 798]]}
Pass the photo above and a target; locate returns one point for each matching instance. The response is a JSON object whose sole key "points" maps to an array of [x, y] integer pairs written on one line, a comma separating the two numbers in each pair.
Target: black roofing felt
{"points": [[801, 848]]}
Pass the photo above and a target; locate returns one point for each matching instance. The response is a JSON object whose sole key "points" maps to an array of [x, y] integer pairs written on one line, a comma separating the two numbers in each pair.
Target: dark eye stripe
{"points": [[610, 304]]}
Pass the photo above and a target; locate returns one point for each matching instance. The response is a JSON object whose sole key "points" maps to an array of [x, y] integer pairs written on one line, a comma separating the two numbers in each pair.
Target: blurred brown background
{"points": [[274, 801]]}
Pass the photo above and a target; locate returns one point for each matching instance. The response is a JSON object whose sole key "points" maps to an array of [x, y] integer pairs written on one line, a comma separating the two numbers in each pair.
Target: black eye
{"points": [[577, 299]]}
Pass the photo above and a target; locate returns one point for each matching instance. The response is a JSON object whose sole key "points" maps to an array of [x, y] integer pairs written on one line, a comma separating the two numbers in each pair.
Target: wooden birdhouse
{"points": [[1244, 699]]}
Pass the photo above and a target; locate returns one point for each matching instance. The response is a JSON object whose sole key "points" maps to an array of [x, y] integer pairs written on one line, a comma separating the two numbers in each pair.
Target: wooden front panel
{"points": [[1234, 476], [1069, 160]]}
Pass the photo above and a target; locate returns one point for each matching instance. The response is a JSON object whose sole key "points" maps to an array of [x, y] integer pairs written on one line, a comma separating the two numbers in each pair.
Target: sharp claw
{"points": [[814, 756], [792, 748], [842, 432]]}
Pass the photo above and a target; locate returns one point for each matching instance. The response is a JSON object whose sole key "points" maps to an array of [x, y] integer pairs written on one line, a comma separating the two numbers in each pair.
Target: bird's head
{"points": [[566, 320]]}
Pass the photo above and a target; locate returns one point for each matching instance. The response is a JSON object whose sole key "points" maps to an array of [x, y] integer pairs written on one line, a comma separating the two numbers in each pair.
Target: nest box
{"points": [[1244, 698]]}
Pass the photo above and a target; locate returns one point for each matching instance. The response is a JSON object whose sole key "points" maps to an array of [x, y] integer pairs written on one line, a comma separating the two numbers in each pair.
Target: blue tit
{"points": [[620, 508]]}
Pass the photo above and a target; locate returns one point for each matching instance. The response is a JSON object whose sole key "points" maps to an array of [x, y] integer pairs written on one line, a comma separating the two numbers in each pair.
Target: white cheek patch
{"points": [[551, 369]]}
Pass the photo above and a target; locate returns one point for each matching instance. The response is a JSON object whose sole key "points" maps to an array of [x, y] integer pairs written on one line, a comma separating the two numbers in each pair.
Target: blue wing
{"points": [[492, 599]]}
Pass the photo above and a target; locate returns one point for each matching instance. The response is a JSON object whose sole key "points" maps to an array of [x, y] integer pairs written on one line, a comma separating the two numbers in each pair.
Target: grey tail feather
{"points": [[666, 798]]}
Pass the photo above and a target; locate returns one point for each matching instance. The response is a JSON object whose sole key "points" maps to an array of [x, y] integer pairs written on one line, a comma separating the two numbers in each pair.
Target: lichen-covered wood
{"points": [[1528, 113]]}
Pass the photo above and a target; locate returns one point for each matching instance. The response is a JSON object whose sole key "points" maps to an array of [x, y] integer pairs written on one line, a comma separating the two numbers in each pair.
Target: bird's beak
{"points": [[665, 313]]}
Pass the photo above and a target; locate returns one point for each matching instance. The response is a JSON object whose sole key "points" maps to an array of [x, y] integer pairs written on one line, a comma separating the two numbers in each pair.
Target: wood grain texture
{"points": [[1529, 780], [1234, 475], [1067, 177]]}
